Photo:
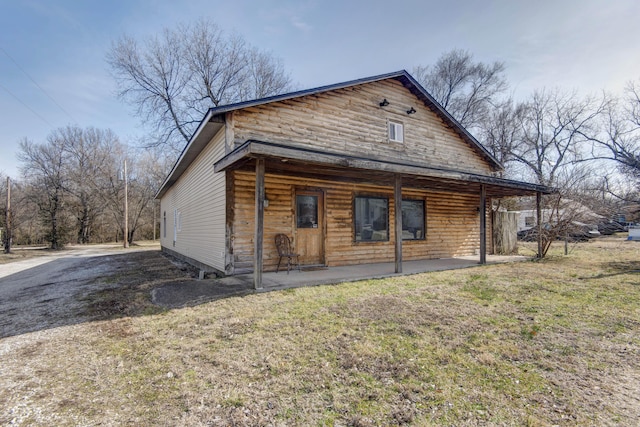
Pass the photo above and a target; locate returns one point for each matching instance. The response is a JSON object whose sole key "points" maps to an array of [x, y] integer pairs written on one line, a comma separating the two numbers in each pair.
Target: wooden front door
{"points": [[309, 221]]}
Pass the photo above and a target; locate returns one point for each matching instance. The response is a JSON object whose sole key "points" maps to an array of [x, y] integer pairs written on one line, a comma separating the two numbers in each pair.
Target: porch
{"points": [[351, 273], [458, 201], [194, 292]]}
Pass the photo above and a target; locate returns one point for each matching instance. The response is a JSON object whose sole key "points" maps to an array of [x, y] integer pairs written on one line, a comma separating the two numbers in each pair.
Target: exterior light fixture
{"points": [[384, 103], [411, 111]]}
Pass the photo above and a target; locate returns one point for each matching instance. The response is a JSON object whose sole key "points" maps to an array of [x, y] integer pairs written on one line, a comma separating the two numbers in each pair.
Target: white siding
{"points": [[198, 198]]}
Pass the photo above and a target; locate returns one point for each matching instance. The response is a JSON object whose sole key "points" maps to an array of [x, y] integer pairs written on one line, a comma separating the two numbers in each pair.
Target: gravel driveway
{"points": [[48, 291]]}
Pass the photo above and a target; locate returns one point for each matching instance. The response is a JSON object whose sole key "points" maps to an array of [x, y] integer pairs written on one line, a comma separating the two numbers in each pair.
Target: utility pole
{"points": [[126, 206], [7, 241]]}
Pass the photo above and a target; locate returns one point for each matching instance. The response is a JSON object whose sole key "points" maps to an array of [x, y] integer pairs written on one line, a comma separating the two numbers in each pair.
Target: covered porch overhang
{"points": [[293, 160]]}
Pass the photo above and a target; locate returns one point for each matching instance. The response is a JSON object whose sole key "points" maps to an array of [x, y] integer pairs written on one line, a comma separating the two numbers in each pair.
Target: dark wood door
{"points": [[309, 218]]}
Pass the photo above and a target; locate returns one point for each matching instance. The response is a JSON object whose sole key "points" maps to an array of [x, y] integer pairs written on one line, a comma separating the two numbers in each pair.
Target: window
{"points": [[307, 211], [528, 221], [371, 219], [396, 131], [413, 220]]}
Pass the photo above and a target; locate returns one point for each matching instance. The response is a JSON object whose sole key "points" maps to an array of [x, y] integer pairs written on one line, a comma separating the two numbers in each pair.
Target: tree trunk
{"points": [[84, 233], [55, 232]]}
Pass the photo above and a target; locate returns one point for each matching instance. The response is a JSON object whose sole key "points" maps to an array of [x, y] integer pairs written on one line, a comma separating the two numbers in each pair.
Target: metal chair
{"points": [[283, 244]]}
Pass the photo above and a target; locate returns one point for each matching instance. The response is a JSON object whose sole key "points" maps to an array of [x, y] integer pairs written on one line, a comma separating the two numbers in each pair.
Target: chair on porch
{"points": [[286, 251]]}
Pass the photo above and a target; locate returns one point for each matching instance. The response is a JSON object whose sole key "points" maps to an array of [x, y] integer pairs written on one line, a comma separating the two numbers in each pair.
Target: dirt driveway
{"points": [[51, 290]]}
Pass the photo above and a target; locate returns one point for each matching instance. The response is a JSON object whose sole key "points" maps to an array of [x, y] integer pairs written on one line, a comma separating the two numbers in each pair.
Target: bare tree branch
{"points": [[466, 89], [174, 78]]}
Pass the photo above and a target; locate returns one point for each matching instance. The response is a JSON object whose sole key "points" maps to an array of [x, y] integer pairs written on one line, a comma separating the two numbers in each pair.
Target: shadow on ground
{"points": [[617, 268], [79, 289]]}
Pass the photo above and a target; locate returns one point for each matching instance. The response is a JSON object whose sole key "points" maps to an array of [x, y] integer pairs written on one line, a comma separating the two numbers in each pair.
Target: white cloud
{"points": [[300, 24]]}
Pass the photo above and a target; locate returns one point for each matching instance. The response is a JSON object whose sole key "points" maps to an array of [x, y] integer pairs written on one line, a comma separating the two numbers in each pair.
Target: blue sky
{"points": [[53, 70]]}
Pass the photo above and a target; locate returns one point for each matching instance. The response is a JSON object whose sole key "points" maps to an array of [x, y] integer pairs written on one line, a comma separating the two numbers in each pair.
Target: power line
{"points": [[29, 108], [38, 86]]}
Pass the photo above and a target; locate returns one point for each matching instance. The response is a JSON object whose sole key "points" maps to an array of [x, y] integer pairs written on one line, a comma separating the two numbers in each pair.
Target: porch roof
{"points": [[305, 162]]}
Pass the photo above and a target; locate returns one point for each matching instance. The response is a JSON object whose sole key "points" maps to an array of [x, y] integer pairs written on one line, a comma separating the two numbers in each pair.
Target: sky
{"points": [[53, 71]]}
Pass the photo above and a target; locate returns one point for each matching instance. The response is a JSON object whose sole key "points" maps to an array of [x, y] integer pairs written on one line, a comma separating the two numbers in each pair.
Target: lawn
{"points": [[555, 342]]}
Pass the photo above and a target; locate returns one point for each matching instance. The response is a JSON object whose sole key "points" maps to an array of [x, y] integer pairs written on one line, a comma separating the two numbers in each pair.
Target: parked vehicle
{"points": [[610, 227]]}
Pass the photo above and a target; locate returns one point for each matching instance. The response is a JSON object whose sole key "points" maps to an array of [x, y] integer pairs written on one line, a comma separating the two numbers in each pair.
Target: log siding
{"points": [[452, 222], [350, 121], [335, 141]]}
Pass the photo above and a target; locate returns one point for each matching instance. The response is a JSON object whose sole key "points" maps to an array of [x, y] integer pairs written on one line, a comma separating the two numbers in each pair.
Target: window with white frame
{"points": [[396, 131]]}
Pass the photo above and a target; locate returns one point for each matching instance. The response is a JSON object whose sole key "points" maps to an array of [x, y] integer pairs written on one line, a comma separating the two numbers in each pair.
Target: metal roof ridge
{"points": [[306, 92]]}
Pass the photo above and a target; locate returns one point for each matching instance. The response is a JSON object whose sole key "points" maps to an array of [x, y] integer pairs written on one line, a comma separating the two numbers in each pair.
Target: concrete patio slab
{"points": [[193, 292]]}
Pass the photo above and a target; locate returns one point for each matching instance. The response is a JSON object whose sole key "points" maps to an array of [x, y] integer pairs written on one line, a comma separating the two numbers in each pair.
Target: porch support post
{"points": [[539, 222], [397, 197], [483, 224], [259, 225]]}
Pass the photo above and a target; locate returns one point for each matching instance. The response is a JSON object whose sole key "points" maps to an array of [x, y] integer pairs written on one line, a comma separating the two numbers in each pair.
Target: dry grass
{"points": [[22, 253], [538, 343]]}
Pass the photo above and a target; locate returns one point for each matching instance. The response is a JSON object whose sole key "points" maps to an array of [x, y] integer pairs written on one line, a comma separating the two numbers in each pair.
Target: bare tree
{"points": [[154, 79], [553, 126], [502, 131], [68, 179], [43, 167], [28, 227], [264, 76], [87, 152], [151, 166], [553, 129], [619, 139], [173, 78], [468, 90], [217, 64], [145, 173]]}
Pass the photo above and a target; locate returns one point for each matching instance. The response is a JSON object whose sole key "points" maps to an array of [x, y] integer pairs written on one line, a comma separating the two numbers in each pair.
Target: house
{"points": [[567, 210], [571, 219], [365, 171]]}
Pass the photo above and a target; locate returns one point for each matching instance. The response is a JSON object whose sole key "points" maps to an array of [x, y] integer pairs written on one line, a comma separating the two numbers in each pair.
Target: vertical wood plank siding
{"points": [[351, 121], [199, 196], [453, 225]]}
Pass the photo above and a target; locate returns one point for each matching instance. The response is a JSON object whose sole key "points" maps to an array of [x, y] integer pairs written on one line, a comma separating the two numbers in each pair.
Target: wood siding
{"points": [[199, 198], [453, 225], [351, 121]]}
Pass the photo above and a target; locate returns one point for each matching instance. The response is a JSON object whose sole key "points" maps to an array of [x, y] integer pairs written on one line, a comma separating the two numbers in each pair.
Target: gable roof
{"points": [[214, 120], [407, 81]]}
